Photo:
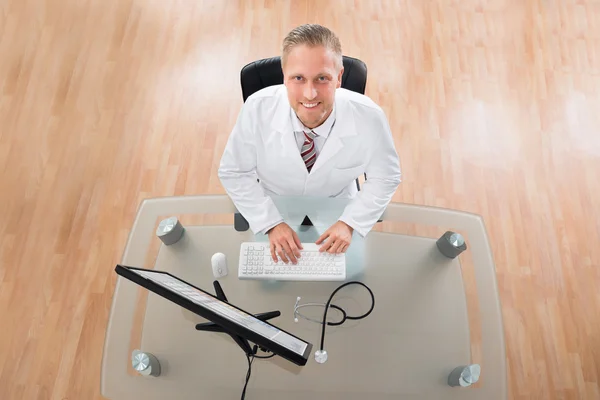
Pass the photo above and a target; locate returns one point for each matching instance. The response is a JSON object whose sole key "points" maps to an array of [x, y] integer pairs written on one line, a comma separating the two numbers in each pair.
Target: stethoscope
{"points": [[298, 306], [321, 354]]}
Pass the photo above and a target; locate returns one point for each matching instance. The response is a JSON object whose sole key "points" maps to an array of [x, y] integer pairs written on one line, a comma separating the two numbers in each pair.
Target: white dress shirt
{"points": [[322, 131]]}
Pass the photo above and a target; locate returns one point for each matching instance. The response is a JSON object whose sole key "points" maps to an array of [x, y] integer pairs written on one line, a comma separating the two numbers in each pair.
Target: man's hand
{"points": [[339, 236], [285, 243]]}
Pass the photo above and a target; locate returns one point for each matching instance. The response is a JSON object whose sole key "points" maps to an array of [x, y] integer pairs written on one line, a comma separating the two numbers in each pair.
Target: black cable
{"points": [[255, 350], [324, 324], [250, 360], [265, 357]]}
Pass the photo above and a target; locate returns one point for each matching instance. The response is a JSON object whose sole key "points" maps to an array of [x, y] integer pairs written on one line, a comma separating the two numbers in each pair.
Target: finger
{"points": [[296, 246], [327, 244], [281, 254], [297, 241], [289, 250], [273, 255], [335, 248], [344, 247]]}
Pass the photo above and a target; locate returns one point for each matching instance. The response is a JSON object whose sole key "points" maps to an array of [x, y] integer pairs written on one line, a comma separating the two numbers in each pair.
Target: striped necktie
{"points": [[308, 152]]}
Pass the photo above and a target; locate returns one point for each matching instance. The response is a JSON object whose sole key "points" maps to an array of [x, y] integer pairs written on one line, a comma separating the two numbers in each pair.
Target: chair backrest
{"points": [[267, 72]]}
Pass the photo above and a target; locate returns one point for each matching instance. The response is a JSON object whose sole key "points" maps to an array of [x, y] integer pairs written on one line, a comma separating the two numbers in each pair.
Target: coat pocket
{"points": [[340, 178]]}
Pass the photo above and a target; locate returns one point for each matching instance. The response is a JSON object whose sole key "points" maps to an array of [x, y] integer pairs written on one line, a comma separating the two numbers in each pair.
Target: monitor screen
{"points": [[226, 311]]}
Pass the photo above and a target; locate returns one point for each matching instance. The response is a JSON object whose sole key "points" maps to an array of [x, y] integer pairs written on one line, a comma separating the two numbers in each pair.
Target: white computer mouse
{"points": [[219, 265]]}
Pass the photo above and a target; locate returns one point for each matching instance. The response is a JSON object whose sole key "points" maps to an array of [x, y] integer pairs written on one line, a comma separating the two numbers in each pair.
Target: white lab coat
{"points": [[263, 146]]}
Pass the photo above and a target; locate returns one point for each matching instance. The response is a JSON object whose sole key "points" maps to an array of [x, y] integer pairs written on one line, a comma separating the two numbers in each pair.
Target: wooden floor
{"points": [[494, 106]]}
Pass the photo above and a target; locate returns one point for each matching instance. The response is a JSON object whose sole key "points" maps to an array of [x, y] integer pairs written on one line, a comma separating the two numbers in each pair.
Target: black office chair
{"points": [[267, 72]]}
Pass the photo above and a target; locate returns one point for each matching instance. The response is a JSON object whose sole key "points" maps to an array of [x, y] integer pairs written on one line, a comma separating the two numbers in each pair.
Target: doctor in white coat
{"points": [[310, 137]]}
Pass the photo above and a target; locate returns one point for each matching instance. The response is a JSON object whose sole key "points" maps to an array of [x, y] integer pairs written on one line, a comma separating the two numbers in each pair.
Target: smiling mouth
{"points": [[311, 105]]}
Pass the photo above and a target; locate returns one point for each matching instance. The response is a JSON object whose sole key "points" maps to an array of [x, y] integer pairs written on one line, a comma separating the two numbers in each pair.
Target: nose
{"points": [[310, 92]]}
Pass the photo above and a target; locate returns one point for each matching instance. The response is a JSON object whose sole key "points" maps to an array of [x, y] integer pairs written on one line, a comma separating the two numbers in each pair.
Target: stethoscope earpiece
{"points": [[297, 313]]}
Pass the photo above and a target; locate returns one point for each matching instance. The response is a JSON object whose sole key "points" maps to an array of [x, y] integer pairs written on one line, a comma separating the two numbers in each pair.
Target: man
{"points": [[310, 137]]}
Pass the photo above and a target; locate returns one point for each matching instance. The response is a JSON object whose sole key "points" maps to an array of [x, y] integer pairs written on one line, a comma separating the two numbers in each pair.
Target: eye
{"points": [[297, 78], [323, 79]]}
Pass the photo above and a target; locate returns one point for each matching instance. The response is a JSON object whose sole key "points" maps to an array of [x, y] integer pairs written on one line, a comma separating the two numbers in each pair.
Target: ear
{"points": [[339, 78]]}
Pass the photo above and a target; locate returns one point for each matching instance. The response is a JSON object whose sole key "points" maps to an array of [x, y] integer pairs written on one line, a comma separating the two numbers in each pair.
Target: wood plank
{"points": [[493, 105]]}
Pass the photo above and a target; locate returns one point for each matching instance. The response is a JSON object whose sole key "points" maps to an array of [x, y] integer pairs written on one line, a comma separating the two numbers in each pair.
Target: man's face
{"points": [[311, 77]]}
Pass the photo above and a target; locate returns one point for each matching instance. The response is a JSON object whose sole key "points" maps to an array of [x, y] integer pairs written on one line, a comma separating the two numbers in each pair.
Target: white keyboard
{"points": [[256, 263]]}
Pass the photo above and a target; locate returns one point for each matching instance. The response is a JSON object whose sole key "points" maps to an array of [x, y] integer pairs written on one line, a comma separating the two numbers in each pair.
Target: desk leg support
{"points": [[145, 363], [464, 376], [451, 244], [170, 230]]}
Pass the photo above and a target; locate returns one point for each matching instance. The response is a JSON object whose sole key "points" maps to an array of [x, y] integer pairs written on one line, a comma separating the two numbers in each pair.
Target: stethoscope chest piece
{"points": [[321, 356]]}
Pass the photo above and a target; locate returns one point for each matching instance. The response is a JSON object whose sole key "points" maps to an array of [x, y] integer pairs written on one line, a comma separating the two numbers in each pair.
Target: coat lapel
{"points": [[282, 124], [344, 127]]}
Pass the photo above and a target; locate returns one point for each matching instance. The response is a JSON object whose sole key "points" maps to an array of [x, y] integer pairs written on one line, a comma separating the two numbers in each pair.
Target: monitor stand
{"points": [[243, 343]]}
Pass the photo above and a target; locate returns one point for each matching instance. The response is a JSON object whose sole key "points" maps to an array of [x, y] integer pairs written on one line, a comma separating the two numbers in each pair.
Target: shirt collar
{"points": [[322, 130]]}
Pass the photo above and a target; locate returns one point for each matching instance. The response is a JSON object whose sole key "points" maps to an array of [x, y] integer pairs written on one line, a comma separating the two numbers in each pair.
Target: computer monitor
{"points": [[231, 318]]}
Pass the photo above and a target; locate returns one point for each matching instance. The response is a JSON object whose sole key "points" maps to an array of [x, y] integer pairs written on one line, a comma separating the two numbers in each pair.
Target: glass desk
{"points": [[432, 313]]}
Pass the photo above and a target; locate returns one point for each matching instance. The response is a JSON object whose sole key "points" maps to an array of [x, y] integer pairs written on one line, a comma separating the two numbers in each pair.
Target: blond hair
{"points": [[313, 35]]}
